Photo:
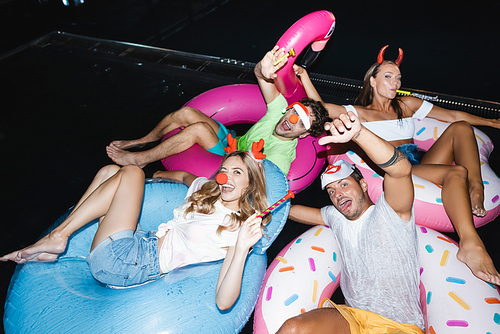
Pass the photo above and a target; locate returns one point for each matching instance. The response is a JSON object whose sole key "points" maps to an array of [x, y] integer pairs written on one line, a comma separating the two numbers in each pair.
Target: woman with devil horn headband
{"points": [[390, 117]]}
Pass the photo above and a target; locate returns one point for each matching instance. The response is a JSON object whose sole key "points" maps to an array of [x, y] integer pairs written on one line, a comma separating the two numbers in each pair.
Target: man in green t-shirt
{"points": [[279, 129]]}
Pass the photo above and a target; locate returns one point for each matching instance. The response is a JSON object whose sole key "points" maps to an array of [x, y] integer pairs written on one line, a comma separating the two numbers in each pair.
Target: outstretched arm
{"points": [[398, 185], [231, 272], [450, 116], [306, 215], [334, 110], [307, 83], [265, 71]]}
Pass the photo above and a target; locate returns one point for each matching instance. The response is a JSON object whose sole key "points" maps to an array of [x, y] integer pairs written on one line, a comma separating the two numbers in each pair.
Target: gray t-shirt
{"points": [[380, 256]]}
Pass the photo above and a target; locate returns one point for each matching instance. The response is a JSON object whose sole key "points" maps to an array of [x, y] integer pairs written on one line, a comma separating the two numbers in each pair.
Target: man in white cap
{"points": [[378, 242], [280, 127]]}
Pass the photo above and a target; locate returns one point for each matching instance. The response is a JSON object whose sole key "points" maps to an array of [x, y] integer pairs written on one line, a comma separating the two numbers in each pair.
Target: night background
{"points": [[60, 109]]}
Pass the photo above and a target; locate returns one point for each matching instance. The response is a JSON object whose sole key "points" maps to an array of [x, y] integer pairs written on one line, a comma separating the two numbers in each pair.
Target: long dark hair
{"points": [[365, 97]]}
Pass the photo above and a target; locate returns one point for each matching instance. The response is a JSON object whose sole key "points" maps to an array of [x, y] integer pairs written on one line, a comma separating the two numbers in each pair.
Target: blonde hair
{"points": [[253, 199]]}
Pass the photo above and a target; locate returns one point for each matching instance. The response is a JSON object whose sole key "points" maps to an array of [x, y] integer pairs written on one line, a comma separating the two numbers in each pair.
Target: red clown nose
{"points": [[293, 118], [221, 178]]}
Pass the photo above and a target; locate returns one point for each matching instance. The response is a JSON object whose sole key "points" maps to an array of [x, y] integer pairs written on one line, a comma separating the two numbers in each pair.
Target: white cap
{"points": [[338, 171], [303, 114]]}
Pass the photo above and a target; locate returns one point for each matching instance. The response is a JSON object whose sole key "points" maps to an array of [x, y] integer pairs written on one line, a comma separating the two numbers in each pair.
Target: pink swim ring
{"points": [[243, 103], [429, 210]]}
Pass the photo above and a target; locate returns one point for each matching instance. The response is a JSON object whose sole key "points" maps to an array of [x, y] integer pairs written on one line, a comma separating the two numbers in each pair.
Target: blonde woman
{"points": [[217, 221]]}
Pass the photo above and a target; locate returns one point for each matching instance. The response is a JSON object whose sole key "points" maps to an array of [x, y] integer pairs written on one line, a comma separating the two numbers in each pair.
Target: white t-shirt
{"points": [[381, 265], [193, 238]]}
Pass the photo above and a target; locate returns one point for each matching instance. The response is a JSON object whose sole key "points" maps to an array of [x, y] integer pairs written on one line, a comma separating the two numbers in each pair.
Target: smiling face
{"points": [[288, 130], [237, 182], [349, 197], [386, 81]]}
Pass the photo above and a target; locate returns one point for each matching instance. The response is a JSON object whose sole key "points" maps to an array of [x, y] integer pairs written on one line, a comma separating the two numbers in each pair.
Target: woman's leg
{"points": [[122, 212], [458, 144], [456, 202], [102, 175], [118, 198]]}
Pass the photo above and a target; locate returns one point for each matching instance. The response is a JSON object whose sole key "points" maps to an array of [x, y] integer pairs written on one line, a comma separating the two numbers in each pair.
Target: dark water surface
{"points": [[61, 108]]}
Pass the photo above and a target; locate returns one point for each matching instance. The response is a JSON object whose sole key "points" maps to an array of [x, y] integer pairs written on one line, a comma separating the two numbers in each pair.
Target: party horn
{"points": [[290, 53], [288, 195], [404, 92], [420, 96]]}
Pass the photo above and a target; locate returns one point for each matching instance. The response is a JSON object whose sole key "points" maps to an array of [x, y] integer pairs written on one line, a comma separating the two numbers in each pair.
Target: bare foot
{"points": [[477, 202], [127, 144], [123, 158], [44, 250], [475, 256]]}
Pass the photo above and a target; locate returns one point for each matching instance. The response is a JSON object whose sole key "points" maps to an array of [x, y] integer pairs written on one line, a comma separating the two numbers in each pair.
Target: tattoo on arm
{"points": [[396, 157]]}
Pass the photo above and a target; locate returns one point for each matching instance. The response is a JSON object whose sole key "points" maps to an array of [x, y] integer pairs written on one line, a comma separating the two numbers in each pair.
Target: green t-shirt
{"points": [[281, 152]]}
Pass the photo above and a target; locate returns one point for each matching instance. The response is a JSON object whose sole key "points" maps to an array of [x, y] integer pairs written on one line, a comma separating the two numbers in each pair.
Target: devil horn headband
{"points": [[380, 58]]}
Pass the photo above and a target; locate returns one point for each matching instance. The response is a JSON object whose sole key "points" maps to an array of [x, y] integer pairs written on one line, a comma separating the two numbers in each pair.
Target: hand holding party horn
{"points": [[288, 195], [290, 53]]}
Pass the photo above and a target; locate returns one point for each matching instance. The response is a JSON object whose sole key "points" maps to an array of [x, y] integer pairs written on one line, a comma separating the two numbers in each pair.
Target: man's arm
{"points": [[334, 110], [398, 185], [265, 71], [306, 215]]}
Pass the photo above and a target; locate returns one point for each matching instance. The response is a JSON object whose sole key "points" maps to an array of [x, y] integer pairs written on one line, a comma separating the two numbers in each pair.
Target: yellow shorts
{"points": [[365, 322]]}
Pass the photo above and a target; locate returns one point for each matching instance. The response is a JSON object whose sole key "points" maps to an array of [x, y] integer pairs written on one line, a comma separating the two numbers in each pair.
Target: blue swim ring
{"points": [[63, 297]]}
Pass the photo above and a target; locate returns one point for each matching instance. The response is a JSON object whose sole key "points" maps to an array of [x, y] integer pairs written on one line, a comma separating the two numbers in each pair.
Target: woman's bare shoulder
{"points": [[410, 104]]}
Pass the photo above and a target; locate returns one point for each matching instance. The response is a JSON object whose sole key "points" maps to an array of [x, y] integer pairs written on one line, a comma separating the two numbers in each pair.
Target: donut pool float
{"points": [[243, 103], [308, 269], [429, 210], [63, 297]]}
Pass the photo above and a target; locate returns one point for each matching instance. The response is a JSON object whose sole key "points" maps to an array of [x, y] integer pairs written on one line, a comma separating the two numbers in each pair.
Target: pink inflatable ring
{"points": [[429, 210], [244, 103]]}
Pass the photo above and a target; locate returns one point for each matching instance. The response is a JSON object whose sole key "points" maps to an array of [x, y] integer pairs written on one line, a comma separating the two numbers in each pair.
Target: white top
{"points": [[193, 238], [381, 265], [396, 129]]}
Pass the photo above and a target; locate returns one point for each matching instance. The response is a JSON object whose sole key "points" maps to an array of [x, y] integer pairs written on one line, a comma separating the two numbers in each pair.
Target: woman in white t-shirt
{"points": [[217, 221]]}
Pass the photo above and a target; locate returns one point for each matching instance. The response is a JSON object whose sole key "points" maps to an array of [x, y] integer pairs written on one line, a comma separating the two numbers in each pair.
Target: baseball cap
{"points": [[338, 171]]}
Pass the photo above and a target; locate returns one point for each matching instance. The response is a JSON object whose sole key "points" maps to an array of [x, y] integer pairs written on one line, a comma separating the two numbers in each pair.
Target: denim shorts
{"points": [[126, 258], [412, 152]]}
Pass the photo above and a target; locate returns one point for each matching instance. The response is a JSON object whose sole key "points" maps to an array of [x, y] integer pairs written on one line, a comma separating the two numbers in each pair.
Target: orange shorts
{"points": [[366, 322]]}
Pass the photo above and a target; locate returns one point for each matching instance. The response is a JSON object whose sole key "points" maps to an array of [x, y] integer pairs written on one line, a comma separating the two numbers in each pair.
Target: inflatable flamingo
{"points": [[235, 104]]}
